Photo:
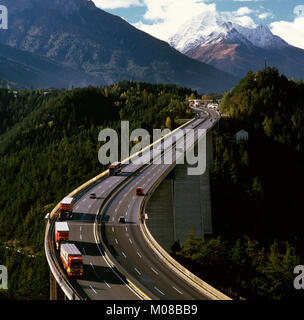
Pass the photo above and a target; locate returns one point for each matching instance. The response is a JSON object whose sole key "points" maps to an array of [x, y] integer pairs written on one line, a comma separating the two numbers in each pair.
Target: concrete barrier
{"points": [[58, 274]]}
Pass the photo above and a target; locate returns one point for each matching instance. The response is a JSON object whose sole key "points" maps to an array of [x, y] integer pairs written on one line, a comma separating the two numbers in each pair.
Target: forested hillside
{"points": [[257, 193], [269, 101], [48, 147]]}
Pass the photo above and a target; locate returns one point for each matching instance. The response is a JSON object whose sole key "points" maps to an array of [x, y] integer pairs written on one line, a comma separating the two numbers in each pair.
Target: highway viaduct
{"points": [[128, 262]]}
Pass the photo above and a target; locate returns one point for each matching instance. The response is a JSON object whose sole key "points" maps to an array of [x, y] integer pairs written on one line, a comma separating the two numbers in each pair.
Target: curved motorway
{"points": [[119, 264]]}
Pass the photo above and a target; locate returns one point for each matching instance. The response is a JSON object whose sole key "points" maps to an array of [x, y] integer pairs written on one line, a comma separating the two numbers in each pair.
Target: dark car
{"points": [[122, 219]]}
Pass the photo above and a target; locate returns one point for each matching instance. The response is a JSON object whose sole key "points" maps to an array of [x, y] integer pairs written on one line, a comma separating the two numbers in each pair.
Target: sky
{"points": [[163, 18]]}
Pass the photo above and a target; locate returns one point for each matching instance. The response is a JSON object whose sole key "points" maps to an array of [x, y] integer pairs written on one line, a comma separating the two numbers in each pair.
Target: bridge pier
{"points": [[182, 203], [55, 291]]}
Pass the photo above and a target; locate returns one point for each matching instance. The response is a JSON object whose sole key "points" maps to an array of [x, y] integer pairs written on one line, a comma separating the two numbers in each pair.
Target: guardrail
{"points": [[132, 282], [171, 262], [61, 279], [59, 275]]}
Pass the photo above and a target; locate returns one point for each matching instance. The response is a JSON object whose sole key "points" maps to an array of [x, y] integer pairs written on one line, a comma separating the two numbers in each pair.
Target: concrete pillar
{"points": [[53, 287], [160, 214], [55, 291], [182, 203]]}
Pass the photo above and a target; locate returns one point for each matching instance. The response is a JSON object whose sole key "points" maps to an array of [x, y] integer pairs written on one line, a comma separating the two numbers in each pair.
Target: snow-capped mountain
{"points": [[202, 31], [261, 36], [103, 49], [237, 49]]}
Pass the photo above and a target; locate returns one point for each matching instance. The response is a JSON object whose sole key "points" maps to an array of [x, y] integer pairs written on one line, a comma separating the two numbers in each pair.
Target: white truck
{"points": [[61, 233], [66, 208]]}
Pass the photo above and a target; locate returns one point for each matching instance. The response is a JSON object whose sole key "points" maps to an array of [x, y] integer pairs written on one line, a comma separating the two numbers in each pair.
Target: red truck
{"points": [[72, 261], [66, 208], [61, 233]]}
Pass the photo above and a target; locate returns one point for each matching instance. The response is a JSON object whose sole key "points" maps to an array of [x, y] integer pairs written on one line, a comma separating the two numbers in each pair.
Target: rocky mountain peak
{"points": [[202, 30]]}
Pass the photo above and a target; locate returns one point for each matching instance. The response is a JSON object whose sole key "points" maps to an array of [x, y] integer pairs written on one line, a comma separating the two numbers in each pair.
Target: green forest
{"points": [[257, 193], [48, 147]]}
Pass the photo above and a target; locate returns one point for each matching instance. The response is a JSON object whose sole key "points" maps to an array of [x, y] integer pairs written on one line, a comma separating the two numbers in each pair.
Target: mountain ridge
{"points": [[236, 49], [81, 36]]}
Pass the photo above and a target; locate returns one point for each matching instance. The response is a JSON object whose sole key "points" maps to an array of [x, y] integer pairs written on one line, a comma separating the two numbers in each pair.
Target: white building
{"points": [[196, 103], [242, 135]]}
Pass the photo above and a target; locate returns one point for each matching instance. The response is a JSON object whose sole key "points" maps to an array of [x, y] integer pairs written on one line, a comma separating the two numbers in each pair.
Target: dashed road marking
{"points": [[154, 271], [159, 291], [177, 290], [137, 271]]}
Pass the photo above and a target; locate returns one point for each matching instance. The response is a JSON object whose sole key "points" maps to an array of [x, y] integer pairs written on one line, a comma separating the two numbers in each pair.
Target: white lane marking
{"points": [[84, 200], [130, 241], [116, 241], [116, 210], [80, 236], [137, 271], [93, 289], [107, 284], [177, 290], [124, 255], [126, 229], [77, 208], [139, 254], [159, 291], [107, 262], [90, 206], [154, 271]]}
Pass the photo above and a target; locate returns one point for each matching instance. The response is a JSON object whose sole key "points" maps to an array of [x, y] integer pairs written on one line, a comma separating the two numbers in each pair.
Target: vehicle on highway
{"points": [[122, 219], [71, 258], [66, 208], [93, 195], [139, 191], [61, 233], [114, 168]]}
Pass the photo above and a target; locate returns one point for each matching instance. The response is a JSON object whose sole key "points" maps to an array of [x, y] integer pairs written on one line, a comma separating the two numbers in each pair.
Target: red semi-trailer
{"points": [[66, 208], [72, 261], [61, 233], [114, 168]]}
